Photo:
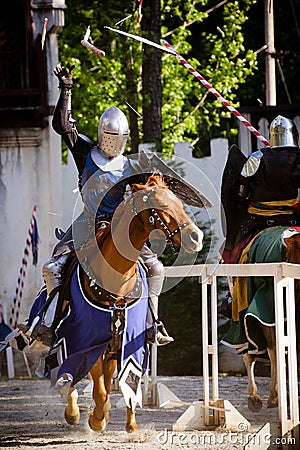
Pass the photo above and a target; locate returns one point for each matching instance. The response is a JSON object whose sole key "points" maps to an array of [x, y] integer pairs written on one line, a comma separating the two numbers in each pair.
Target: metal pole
{"points": [[205, 349], [270, 60]]}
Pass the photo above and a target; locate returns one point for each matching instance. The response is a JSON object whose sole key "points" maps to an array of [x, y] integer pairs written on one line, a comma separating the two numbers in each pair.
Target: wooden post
{"points": [[205, 349], [270, 59]]}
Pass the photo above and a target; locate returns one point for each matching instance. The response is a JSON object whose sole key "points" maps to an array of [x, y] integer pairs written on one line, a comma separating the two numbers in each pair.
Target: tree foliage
{"points": [[189, 111]]}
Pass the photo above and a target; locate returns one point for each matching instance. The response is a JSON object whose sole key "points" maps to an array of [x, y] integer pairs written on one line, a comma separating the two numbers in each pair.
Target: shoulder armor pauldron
{"points": [[252, 164]]}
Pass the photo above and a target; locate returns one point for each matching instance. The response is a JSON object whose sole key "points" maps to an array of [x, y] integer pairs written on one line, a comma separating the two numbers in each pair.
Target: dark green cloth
{"points": [[247, 332]]}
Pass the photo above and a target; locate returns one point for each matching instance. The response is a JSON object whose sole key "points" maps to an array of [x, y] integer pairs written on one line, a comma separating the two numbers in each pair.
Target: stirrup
{"points": [[158, 335], [162, 339]]}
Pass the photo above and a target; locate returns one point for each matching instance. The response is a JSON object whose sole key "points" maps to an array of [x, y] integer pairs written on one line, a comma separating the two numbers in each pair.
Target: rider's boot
{"points": [[45, 331], [158, 335]]}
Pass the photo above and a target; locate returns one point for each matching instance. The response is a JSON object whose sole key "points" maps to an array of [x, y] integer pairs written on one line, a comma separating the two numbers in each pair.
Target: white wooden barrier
{"points": [[284, 275]]}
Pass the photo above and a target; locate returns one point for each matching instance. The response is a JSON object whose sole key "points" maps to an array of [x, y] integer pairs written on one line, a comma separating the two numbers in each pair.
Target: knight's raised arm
{"points": [[62, 121]]}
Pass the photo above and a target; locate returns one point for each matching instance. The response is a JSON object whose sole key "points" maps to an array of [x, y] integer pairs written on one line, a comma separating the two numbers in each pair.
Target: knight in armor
{"points": [[101, 168], [270, 179], [265, 190], [261, 191]]}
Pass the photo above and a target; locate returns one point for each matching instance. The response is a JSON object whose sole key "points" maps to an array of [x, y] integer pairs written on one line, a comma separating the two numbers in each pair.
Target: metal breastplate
{"points": [[103, 190]]}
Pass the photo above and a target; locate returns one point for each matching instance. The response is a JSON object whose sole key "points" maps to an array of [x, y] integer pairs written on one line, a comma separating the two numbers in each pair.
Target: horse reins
{"points": [[155, 217]]}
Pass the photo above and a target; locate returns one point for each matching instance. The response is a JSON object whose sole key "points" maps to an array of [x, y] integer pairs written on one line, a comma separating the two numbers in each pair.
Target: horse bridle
{"points": [[155, 217]]}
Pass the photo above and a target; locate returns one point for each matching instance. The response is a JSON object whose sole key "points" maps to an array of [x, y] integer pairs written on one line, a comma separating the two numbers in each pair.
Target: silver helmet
{"points": [[283, 133], [113, 132]]}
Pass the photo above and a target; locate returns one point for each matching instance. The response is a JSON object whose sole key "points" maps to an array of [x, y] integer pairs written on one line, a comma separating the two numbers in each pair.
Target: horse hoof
{"points": [[254, 404], [131, 428], [97, 425], [137, 437], [272, 403], [72, 420]]}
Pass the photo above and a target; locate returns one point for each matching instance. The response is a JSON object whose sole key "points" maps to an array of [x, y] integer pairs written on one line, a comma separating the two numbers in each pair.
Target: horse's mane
{"points": [[155, 179]]}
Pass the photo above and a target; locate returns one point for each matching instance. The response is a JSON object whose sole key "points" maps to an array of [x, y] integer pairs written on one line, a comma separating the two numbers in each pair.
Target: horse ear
{"points": [[155, 179], [137, 187]]}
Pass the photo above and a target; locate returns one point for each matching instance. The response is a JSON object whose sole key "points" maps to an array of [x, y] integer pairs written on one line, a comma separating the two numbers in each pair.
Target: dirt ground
{"points": [[32, 417]]}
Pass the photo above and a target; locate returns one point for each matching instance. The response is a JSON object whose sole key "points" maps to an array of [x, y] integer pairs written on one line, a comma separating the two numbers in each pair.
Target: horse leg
{"points": [[102, 373], [108, 371], [131, 425], [109, 367], [72, 414], [269, 333], [97, 420], [254, 400]]}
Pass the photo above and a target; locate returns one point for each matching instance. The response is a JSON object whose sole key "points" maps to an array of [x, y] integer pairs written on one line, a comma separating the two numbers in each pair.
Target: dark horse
{"points": [[253, 328], [112, 257]]}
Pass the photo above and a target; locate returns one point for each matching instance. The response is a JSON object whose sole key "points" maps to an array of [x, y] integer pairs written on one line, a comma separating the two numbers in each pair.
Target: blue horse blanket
{"points": [[84, 334]]}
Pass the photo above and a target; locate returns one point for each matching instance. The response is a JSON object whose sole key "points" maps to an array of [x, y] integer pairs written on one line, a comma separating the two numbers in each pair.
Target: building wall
{"points": [[206, 175], [31, 174]]}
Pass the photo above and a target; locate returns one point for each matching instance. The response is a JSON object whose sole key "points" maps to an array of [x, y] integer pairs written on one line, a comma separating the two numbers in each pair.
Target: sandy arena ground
{"points": [[32, 417]]}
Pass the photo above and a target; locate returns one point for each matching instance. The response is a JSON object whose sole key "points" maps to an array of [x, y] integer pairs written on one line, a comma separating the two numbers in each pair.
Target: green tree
{"points": [[287, 41], [189, 111]]}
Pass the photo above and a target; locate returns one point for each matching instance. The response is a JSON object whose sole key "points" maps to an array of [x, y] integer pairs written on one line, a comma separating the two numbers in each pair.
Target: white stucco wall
{"points": [[30, 161], [206, 175]]}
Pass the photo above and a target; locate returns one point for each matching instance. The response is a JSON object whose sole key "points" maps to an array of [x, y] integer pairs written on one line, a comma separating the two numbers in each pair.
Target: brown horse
{"points": [[112, 258], [271, 245]]}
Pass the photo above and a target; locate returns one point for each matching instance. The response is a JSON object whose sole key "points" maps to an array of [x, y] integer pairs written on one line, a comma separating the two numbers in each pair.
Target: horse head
{"points": [[150, 207], [158, 208]]}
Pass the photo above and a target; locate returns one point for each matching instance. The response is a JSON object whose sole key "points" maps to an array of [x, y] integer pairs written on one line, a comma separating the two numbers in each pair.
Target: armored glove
{"points": [[65, 77]]}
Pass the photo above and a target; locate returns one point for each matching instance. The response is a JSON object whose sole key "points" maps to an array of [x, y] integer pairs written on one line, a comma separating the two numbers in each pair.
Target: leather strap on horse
{"points": [[118, 324], [106, 298]]}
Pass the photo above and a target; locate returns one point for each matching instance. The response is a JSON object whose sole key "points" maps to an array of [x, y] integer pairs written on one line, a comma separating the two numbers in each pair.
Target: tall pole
{"points": [[270, 60]]}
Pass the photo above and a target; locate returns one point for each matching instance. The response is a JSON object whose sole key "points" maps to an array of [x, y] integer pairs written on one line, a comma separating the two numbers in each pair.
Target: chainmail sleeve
{"points": [[65, 125]]}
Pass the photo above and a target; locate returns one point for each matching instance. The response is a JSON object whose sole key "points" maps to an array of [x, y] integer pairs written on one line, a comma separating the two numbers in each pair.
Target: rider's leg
{"points": [[156, 274], [52, 273]]}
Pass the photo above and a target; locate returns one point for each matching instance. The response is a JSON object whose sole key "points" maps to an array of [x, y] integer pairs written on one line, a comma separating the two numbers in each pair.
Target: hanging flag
{"points": [[31, 240], [34, 241]]}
